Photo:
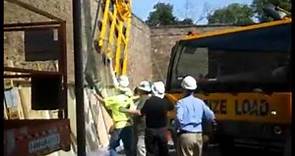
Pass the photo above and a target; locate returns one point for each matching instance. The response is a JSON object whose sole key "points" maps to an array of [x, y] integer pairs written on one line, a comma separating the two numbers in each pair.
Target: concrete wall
{"points": [[164, 38]]}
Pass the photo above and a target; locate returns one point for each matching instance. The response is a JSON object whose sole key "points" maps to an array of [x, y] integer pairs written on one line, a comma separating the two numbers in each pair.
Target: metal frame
{"points": [[112, 23], [28, 26], [238, 29], [37, 126], [62, 61]]}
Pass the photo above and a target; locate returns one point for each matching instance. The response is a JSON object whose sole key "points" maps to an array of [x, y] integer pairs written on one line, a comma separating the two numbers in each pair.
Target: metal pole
{"points": [[78, 58]]}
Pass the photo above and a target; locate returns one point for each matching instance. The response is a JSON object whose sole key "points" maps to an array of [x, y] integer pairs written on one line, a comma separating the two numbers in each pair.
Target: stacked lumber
{"points": [[97, 121]]}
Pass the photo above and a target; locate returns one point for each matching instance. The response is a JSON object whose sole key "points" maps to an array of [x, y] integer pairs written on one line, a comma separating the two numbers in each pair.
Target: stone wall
{"points": [[149, 48], [139, 64], [164, 38], [13, 42]]}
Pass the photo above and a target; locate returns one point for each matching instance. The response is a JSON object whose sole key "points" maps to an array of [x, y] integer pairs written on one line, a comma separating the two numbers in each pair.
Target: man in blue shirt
{"points": [[190, 111]]}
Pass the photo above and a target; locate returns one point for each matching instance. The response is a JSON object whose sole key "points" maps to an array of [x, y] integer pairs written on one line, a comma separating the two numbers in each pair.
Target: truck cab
{"points": [[243, 75]]}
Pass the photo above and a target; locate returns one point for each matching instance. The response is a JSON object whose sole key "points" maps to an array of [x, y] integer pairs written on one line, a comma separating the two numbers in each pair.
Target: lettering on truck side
{"points": [[256, 107], [251, 107], [217, 105]]}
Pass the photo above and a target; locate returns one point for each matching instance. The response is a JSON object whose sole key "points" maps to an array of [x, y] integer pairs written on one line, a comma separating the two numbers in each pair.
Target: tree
{"points": [[186, 21], [235, 13], [162, 15], [258, 5]]}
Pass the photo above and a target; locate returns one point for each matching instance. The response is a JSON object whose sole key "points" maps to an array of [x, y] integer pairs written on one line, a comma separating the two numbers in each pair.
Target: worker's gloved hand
{"points": [[123, 110]]}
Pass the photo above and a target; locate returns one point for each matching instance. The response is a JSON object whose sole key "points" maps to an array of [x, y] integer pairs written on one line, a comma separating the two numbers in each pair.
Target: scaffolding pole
{"points": [[78, 59]]}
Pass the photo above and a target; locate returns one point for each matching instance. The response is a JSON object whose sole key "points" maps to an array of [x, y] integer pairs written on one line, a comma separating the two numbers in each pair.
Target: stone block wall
{"points": [[139, 64], [13, 42], [149, 47]]}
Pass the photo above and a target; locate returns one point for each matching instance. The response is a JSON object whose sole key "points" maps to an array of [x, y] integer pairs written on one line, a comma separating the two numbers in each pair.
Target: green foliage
{"points": [[232, 14], [258, 5], [238, 14], [162, 15], [186, 21]]}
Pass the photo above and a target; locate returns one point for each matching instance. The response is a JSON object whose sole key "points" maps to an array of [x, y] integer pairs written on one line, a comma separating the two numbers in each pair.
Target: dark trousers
{"points": [[126, 134], [156, 142]]}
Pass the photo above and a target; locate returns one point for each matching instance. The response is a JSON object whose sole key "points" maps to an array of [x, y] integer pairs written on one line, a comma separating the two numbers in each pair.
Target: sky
{"points": [[194, 9]]}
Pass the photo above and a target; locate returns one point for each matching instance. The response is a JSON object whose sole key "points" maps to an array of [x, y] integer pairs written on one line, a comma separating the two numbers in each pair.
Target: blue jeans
{"points": [[126, 134]]}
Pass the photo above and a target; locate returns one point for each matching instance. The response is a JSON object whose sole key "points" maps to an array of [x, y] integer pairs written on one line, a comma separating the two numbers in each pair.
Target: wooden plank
{"points": [[5, 112], [25, 94], [31, 71], [31, 24], [19, 104], [24, 102], [100, 125], [106, 116], [91, 133], [72, 109], [72, 118]]}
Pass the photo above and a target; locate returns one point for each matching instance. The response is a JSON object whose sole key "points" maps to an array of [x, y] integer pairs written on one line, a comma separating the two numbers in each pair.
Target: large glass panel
{"points": [[193, 61], [244, 69]]}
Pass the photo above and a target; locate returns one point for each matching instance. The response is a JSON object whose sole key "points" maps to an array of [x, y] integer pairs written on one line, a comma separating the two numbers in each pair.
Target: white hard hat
{"points": [[158, 89], [145, 86], [189, 83], [123, 81]]}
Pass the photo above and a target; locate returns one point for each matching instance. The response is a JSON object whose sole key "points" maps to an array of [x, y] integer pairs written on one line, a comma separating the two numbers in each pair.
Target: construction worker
{"points": [[122, 129], [144, 91], [190, 111], [121, 83], [155, 110]]}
